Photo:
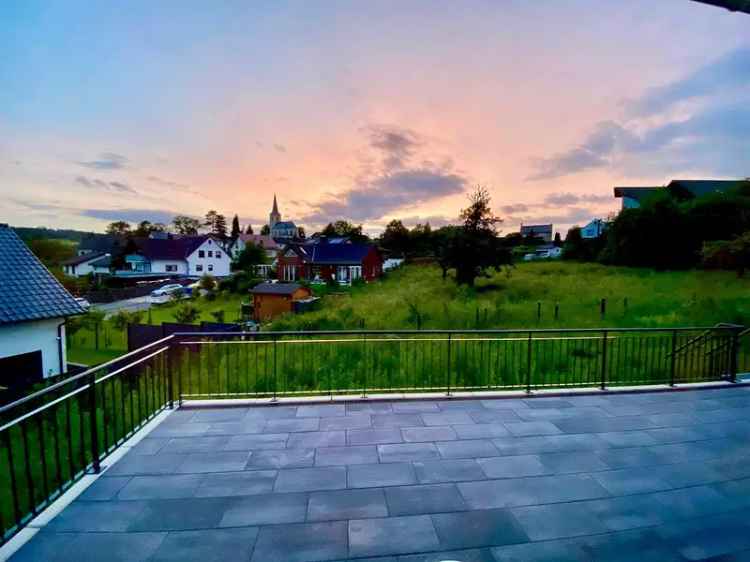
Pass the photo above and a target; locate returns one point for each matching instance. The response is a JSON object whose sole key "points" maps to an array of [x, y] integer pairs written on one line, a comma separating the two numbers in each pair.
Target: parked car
{"points": [[164, 294], [85, 305]]}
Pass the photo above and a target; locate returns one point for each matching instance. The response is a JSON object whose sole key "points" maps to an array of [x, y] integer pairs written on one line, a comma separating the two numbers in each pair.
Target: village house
{"points": [[593, 229], [281, 231], [321, 261], [633, 197], [186, 256], [267, 243], [274, 299], [84, 264], [33, 309], [541, 231]]}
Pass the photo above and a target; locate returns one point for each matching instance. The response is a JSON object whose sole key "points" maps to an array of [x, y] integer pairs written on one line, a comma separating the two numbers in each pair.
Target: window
{"points": [[210, 267], [210, 254], [201, 254], [170, 267], [218, 254], [198, 268]]}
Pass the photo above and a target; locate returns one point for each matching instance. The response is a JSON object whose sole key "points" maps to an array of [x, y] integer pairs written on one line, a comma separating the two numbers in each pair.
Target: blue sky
{"points": [[362, 110]]}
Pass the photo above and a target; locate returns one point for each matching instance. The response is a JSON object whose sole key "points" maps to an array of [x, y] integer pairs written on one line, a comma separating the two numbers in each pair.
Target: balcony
{"points": [[455, 475]]}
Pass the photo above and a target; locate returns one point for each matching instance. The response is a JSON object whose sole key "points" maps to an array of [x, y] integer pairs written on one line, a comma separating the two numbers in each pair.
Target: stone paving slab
{"points": [[650, 476]]}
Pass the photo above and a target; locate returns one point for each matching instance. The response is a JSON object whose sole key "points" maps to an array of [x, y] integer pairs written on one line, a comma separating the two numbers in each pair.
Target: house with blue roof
{"points": [[33, 309], [320, 260]]}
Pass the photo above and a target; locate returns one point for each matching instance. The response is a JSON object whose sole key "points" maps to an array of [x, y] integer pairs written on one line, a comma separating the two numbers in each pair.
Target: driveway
{"points": [[129, 305]]}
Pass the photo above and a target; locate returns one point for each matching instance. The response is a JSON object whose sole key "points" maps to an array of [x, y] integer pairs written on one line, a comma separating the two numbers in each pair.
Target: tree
{"points": [[236, 230], [187, 226], [216, 223], [395, 238], [249, 229], [301, 232], [186, 313], [728, 254], [558, 240], [52, 252], [145, 228], [118, 228], [345, 229], [251, 256], [265, 230], [475, 248]]}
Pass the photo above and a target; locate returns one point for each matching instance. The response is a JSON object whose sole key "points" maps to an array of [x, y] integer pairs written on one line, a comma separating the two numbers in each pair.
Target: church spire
{"points": [[274, 216], [275, 207]]}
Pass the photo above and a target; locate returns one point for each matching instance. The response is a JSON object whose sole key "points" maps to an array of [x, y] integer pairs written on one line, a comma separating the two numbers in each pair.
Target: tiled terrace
{"points": [[654, 476]]}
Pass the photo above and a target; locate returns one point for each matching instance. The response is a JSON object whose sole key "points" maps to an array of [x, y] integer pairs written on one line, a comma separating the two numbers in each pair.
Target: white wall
{"points": [[160, 266], [38, 335], [220, 266]]}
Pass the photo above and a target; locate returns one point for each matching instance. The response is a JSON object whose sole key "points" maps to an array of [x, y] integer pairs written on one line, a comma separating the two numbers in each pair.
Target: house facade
{"points": [[541, 231], [83, 264], [274, 299], [322, 261], [632, 197], [186, 256], [33, 309], [266, 242], [594, 229]]}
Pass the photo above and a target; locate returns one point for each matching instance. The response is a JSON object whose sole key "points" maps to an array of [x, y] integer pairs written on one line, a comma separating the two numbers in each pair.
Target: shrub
{"points": [[186, 313], [218, 316]]}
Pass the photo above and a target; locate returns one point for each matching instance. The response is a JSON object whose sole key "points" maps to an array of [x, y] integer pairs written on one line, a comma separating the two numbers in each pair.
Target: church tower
{"points": [[275, 216]]}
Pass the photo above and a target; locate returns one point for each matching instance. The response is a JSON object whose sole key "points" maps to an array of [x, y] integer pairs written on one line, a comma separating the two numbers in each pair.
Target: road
{"points": [[129, 305]]}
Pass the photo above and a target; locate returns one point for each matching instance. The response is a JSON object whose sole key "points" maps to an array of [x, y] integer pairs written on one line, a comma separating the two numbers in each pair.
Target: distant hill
{"points": [[40, 233]]}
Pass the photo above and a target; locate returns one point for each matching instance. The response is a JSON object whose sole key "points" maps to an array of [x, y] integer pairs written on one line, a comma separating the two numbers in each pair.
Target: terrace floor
{"points": [[653, 476]]}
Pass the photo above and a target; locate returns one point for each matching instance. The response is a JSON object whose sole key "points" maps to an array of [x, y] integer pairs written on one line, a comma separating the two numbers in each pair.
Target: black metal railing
{"points": [[273, 364], [51, 438]]}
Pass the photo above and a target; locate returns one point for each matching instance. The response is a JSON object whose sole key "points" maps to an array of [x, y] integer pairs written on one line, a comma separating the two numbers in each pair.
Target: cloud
{"points": [[514, 209], [129, 215], [435, 221], [730, 72], [710, 140], [106, 161], [574, 215], [110, 186], [279, 147], [388, 179], [565, 199]]}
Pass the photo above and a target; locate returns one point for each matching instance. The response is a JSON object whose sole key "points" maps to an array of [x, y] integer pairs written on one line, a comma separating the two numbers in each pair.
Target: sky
{"points": [[362, 110]]}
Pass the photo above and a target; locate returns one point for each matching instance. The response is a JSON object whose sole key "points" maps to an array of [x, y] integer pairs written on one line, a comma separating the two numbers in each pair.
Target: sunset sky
{"points": [[362, 110]]}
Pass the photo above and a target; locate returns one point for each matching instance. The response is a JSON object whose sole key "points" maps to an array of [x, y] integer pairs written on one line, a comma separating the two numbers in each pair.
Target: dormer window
{"points": [[210, 254], [201, 254]]}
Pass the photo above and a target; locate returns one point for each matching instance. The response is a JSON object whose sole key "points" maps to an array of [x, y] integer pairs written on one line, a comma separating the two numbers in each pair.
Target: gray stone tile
{"points": [[481, 431], [631, 481], [523, 429], [347, 504], [335, 456], [530, 491], [220, 414], [47, 546], [494, 416], [453, 404], [369, 408], [161, 487], [705, 537], [470, 555], [179, 514], [315, 439], [397, 420], [603, 425], [447, 418], [195, 444], [565, 550], [265, 509], [644, 545], [628, 438], [103, 517], [321, 410], [374, 436], [289, 458], [627, 512], [302, 543], [546, 444], [629, 457], [258, 442], [104, 488], [557, 521], [418, 500], [149, 445], [415, 407], [393, 535], [513, 466], [471, 529], [244, 427], [374, 475], [351, 421], [691, 473], [687, 503], [207, 545], [180, 430], [432, 472], [213, 462], [427, 434], [272, 412], [292, 425], [406, 452], [308, 479], [229, 484], [570, 462], [134, 465], [469, 449], [114, 547], [535, 403]]}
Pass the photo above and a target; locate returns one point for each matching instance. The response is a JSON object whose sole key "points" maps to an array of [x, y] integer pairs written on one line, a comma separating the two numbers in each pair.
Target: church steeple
{"points": [[275, 216]]}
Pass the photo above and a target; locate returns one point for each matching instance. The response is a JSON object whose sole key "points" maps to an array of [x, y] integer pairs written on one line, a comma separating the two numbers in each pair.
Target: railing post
{"points": [[448, 368], [528, 365], [274, 399], [673, 359], [94, 421], [604, 360], [364, 364], [170, 376], [734, 352]]}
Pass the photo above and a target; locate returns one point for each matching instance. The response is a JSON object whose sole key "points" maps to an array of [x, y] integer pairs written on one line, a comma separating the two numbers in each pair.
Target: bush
{"points": [[187, 313], [218, 316], [123, 318]]}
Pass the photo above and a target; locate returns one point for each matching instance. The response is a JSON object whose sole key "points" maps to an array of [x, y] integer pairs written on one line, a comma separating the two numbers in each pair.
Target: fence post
{"points": [[734, 351], [274, 399], [604, 360], [539, 311], [557, 311], [170, 376], [603, 308], [364, 364], [528, 366], [673, 359], [94, 421], [448, 368]]}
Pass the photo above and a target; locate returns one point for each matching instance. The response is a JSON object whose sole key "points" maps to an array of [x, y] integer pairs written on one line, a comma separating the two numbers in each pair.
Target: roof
{"points": [[28, 291], [698, 188], [536, 229], [638, 193], [170, 248], [323, 253], [284, 224], [275, 288], [77, 260], [104, 261], [101, 243], [265, 242]]}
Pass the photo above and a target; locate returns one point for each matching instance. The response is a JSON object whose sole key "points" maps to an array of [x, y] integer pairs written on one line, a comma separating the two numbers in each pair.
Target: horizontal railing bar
{"points": [[377, 340], [79, 376], [131, 365]]}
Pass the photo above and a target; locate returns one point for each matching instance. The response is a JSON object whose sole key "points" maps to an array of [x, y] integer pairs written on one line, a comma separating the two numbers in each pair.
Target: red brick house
{"points": [[324, 260]]}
